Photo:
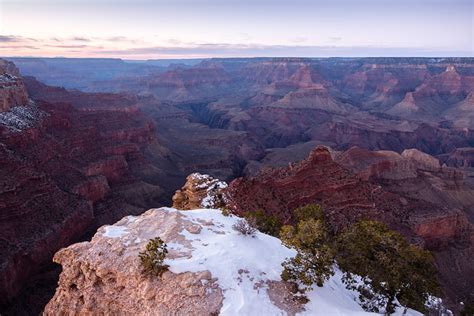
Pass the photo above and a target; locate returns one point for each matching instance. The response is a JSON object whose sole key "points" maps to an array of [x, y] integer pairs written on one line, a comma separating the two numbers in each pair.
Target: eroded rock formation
{"points": [[12, 89], [429, 204], [104, 276], [64, 173], [200, 191]]}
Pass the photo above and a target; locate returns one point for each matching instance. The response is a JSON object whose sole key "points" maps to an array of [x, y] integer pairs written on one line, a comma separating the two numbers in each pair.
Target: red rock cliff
{"points": [[66, 173], [12, 88]]}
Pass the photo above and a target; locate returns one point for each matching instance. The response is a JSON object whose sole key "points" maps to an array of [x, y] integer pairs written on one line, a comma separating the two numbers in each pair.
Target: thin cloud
{"points": [[246, 50], [335, 39], [8, 38], [116, 38], [298, 39], [67, 46], [18, 47], [80, 39]]}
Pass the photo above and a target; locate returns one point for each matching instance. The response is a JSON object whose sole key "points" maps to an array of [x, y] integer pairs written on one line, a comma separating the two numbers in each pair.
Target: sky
{"points": [[140, 29]]}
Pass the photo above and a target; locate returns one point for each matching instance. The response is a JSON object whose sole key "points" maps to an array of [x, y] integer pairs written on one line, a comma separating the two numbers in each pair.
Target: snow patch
{"points": [[244, 264], [20, 118], [212, 186], [115, 231]]}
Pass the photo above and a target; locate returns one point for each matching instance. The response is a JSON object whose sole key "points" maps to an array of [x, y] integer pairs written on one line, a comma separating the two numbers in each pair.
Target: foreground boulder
{"points": [[213, 269]]}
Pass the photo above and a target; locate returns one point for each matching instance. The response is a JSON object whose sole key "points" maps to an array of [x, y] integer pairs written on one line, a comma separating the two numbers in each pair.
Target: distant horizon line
{"points": [[236, 57]]}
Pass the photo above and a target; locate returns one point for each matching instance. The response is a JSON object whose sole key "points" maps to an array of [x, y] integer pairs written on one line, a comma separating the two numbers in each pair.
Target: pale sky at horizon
{"points": [[229, 28]]}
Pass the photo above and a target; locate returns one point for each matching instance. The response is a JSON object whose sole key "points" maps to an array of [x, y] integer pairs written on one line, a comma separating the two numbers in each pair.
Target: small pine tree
{"points": [[390, 268], [268, 224], [153, 257], [314, 259]]}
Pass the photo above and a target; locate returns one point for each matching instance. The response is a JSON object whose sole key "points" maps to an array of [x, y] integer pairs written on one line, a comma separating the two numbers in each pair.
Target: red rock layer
{"points": [[72, 172], [428, 204], [12, 88], [317, 179]]}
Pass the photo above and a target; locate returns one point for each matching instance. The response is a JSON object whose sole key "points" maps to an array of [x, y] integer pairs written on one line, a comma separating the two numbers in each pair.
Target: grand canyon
{"points": [[237, 158], [386, 138]]}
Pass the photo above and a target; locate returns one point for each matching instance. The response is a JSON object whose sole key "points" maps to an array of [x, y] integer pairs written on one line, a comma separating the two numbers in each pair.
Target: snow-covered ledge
{"points": [[213, 269]]}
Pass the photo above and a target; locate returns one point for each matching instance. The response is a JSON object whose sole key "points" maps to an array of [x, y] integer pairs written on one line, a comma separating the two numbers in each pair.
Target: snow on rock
{"points": [[115, 231], [200, 190], [19, 118], [213, 269]]}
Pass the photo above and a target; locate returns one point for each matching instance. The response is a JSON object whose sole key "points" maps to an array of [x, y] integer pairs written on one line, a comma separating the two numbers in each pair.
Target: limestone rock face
{"points": [[422, 159], [200, 190], [12, 89], [104, 276]]}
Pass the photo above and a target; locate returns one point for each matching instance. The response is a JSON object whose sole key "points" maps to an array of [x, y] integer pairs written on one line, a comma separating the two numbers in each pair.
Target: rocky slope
{"points": [[429, 204], [99, 158], [64, 173], [213, 270]]}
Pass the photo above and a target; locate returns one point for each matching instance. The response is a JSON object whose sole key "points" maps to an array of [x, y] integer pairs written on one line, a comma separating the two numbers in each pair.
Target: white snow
{"points": [[242, 262], [8, 78], [115, 231], [212, 186], [21, 117]]}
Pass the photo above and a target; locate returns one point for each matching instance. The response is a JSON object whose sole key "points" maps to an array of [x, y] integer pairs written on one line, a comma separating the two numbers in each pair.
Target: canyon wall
{"points": [[12, 89], [64, 173], [429, 204]]}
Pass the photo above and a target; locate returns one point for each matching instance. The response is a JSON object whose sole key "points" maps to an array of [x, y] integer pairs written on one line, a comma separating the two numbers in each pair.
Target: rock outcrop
{"points": [[200, 191], [421, 159], [461, 158], [317, 179], [213, 269], [12, 89], [104, 276]]}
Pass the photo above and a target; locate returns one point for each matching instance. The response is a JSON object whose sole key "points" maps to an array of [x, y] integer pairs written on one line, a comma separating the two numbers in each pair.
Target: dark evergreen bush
{"points": [[391, 269], [313, 263], [377, 262], [268, 224], [153, 257]]}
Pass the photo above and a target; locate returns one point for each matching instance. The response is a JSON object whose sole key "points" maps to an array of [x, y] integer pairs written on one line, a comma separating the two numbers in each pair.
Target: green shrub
{"points": [[309, 211], [153, 257], [376, 261], [313, 263], [390, 267], [268, 224], [225, 211]]}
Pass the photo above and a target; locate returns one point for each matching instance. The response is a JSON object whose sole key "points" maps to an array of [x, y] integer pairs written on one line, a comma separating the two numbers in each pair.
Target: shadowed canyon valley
{"points": [[85, 142]]}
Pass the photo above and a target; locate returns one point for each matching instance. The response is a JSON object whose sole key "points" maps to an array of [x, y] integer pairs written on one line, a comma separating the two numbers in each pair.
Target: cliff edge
{"points": [[213, 269]]}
